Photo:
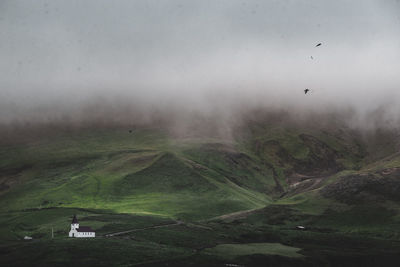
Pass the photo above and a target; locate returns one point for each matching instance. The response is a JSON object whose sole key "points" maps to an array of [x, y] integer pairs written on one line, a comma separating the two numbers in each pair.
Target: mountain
{"points": [[330, 179]]}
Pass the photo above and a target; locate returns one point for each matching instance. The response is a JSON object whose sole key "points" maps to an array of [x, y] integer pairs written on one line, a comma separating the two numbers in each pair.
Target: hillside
{"points": [[149, 171], [262, 179]]}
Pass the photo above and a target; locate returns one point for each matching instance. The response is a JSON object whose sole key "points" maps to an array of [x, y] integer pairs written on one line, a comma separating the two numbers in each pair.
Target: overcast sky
{"points": [[58, 56]]}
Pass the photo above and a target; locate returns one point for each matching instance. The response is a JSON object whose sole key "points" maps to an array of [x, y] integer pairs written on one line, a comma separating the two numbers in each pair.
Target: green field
{"points": [[199, 201], [231, 251]]}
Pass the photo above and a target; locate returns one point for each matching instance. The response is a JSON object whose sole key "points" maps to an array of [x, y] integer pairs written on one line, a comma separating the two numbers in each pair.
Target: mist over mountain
{"points": [[134, 62]]}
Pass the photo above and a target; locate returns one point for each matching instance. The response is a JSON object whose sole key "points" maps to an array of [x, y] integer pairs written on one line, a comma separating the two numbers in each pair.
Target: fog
{"points": [[135, 61]]}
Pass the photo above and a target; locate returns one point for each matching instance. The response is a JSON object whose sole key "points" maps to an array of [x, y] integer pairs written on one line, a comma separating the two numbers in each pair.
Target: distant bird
{"points": [[130, 131], [318, 45], [306, 90], [312, 57]]}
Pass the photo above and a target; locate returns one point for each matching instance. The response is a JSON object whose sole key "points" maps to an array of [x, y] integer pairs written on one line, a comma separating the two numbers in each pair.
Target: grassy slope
{"points": [[107, 176], [142, 172], [148, 172]]}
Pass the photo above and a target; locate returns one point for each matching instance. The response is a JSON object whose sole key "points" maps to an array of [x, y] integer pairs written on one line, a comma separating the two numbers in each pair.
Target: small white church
{"points": [[83, 231]]}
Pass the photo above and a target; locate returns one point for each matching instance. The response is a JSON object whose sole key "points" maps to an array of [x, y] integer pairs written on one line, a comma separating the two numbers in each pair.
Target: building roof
{"points": [[85, 229], [74, 220]]}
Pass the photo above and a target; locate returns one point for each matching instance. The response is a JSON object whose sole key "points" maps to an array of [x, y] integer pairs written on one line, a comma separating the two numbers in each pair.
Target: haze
{"points": [[89, 59]]}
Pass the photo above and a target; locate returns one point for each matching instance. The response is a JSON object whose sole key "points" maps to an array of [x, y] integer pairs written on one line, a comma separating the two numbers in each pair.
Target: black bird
{"points": [[130, 131], [318, 44], [306, 90]]}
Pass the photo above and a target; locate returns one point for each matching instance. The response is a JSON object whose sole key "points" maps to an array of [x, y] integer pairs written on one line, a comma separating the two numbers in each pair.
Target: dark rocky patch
{"points": [[321, 159], [362, 188]]}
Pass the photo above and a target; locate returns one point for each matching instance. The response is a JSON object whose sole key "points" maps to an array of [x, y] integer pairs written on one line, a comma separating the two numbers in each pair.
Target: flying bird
{"points": [[318, 45], [306, 90], [312, 57]]}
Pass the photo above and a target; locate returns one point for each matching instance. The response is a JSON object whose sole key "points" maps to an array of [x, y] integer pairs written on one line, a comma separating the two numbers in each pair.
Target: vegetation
{"points": [[231, 251], [198, 201]]}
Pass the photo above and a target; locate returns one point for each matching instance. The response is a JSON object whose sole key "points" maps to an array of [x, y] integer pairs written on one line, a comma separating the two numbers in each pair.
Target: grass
{"points": [[39, 223], [142, 172], [231, 251], [117, 181], [85, 252]]}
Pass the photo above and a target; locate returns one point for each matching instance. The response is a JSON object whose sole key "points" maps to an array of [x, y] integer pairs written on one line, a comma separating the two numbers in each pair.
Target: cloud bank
{"points": [[106, 60]]}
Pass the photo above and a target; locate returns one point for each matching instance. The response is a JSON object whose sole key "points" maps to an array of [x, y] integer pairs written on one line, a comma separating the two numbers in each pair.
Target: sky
{"points": [[82, 58]]}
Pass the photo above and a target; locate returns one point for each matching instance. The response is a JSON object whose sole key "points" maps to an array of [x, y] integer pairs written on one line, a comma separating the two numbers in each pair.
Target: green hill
{"points": [[142, 172], [255, 187], [148, 171]]}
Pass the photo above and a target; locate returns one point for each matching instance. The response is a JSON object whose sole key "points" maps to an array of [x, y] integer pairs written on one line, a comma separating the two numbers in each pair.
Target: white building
{"points": [[82, 231]]}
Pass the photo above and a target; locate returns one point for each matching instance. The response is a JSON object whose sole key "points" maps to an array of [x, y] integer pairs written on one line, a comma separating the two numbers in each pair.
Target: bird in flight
{"points": [[318, 45], [312, 57], [306, 90]]}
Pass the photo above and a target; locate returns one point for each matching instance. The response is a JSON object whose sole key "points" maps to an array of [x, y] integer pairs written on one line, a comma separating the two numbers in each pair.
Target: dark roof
{"points": [[74, 220], [85, 229]]}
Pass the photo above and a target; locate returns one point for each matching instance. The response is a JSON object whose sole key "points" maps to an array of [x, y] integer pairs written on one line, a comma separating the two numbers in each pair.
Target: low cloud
{"points": [[136, 62]]}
